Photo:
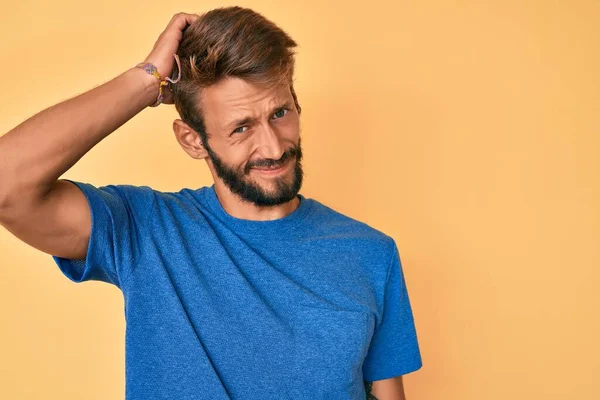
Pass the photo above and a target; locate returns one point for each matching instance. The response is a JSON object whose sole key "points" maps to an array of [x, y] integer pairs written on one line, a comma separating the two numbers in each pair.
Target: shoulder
{"points": [[333, 222], [147, 194], [117, 196], [142, 200]]}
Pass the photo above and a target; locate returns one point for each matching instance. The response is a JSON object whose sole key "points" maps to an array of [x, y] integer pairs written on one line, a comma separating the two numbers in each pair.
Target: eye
{"points": [[279, 114], [282, 110], [237, 130]]}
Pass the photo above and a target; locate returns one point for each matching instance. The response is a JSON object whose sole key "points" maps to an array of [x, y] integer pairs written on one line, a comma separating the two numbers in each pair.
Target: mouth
{"points": [[273, 171]]}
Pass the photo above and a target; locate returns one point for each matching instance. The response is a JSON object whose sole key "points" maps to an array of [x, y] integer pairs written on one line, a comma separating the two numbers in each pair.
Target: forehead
{"points": [[234, 98]]}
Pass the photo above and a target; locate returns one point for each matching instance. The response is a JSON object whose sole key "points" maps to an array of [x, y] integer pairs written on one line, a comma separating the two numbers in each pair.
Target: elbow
{"points": [[7, 201], [8, 212]]}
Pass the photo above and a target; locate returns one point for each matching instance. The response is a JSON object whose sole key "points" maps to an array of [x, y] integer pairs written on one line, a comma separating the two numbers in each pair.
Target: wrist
{"points": [[150, 85]]}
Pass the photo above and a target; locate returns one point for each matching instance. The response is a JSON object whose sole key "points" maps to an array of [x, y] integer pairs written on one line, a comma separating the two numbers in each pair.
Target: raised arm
{"points": [[50, 214]]}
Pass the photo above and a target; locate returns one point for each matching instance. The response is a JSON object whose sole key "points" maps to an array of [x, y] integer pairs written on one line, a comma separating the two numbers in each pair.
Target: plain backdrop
{"points": [[466, 130]]}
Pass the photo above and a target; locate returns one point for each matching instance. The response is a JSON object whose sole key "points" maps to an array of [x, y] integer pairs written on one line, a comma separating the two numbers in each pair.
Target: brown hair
{"points": [[229, 42]]}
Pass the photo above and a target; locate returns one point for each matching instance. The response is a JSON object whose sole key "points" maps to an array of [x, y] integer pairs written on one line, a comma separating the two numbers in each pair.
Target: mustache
{"points": [[290, 153]]}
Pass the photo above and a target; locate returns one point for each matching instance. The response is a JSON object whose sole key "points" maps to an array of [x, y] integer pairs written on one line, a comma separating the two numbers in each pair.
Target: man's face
{"points": [[251, 128]]}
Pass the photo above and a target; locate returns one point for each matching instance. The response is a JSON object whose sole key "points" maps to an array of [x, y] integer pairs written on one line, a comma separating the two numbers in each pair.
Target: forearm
{"points": [[38, 151]]}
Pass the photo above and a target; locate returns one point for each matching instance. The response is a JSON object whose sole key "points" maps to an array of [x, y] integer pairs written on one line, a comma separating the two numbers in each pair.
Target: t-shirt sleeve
{"points": [[118, 214], [394, 349]]}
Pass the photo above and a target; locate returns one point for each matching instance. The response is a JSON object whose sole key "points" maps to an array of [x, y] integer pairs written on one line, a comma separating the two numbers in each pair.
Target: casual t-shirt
{"points": [[308, 306]]}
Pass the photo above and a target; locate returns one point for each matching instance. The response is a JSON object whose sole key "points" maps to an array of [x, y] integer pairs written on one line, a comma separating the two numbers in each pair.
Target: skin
{"points": [[52, 214], [386, 389], [234, 153]]}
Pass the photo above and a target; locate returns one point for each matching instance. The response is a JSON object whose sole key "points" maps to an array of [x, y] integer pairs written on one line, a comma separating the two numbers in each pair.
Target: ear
{"points": [[189, 139]]}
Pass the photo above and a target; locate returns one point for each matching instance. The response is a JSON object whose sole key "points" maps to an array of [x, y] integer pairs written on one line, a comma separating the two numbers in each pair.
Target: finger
{"points": [[180, 20], [186, 19]]}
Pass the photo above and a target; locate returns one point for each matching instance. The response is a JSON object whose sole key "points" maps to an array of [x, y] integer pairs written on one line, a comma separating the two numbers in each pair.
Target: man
{"points": [[245, 289]]}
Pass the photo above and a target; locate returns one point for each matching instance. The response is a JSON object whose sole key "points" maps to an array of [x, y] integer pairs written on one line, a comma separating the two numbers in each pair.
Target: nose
{"points": [[270, 146]]}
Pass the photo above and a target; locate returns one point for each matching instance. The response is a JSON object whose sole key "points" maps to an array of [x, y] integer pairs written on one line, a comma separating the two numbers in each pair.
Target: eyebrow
{"points": [[247, 120]]}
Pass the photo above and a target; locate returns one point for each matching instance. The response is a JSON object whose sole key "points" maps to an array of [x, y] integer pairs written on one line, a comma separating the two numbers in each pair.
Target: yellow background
{"points": [[468, 131]]}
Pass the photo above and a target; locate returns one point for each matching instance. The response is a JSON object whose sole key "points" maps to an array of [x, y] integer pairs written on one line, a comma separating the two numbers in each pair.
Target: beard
{"points": [[239, 181]]}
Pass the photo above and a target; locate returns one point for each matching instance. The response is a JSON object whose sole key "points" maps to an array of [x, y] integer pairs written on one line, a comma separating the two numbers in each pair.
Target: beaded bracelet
{"points": [[152, 70]]}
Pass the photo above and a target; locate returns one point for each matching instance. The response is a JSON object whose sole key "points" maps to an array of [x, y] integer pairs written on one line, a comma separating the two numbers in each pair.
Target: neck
{"points": [[242, 209]]}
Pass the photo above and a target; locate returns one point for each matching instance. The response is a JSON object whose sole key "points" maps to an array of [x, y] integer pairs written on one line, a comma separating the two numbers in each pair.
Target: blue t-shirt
{"points": [[308, 306]]}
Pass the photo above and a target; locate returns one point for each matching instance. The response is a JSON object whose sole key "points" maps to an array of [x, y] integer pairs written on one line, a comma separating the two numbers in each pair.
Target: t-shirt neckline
{"points": [[271, 227]]}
